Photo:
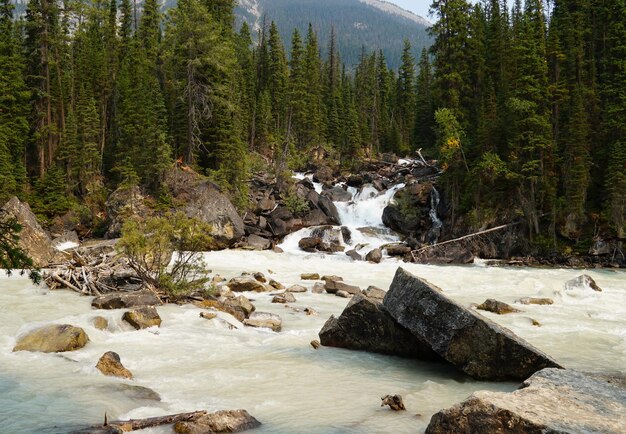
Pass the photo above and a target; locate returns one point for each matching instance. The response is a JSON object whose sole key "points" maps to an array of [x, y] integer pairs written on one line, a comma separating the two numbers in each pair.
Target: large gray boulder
{"points": [[365, 325], [33, 239], [467, 340], [205, 201], [551, 401]]}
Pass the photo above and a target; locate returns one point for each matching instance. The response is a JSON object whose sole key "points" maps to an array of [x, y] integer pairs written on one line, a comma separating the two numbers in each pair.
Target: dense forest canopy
{"points": [[524, 108]]}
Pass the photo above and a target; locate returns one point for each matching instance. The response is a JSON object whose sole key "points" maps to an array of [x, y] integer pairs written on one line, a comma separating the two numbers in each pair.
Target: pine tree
{"points": [[424, 131], [406, 97]]}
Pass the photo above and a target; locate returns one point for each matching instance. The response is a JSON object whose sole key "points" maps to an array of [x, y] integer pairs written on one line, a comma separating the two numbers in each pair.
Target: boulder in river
{"points": [[551, 401], [101, 323], [535, 300], [219, 422], [467, 340], [309, 276], [584, 281], [256, 242], [495, 306], [264, 320], [32, 238], [125, 300], [365, 325], [55, 338], [354, 255], [285, 297], [242, 304], [143, 317], [246, 283], [332, 286], [318, 288], [374, 255], [110, 364], [296, 288]]}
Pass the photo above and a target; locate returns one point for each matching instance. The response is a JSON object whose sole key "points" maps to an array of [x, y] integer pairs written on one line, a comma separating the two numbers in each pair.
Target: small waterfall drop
{"points": [[433, 234]]}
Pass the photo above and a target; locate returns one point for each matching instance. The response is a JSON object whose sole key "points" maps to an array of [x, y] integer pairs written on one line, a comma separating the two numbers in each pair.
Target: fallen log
{"points": [[136, 424]]}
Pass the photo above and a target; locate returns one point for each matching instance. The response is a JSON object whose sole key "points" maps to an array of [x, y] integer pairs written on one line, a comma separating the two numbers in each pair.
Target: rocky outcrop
{"points": [[365, 325], [472, 343], [582, 282], [111, 365], [409, 212], [143, 317], [123, 204], [264, 320], [126, 300], [551, 401], [205, 201], [337, 194], [54, 338], [32, 238], [495, 306], [219, 422]]}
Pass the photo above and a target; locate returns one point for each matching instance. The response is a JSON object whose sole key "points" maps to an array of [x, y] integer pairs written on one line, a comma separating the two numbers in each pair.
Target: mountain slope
{"points": [[373, 24]]}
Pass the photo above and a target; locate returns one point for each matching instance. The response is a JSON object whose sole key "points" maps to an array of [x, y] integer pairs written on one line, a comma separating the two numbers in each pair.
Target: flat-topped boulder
{"points": [[365, 325], [219, 422], [54, 338], [264, 320], [467, 340], [247, 283], [551, 401], [143, 317], [124, 300]]}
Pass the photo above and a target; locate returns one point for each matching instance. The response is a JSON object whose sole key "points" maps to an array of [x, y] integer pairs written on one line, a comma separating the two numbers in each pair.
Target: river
{"points": [[194, 363]]}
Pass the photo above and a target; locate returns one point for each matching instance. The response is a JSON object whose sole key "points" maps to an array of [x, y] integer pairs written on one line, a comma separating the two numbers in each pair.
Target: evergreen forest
{"points": [[524, 108]]}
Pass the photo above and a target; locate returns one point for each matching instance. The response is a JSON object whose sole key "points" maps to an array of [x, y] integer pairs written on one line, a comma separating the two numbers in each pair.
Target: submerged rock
{"points": [[365, 325], [318, 288], [309, 276], [583, 281], [551, 401], [126, 300], [533, 300], [474, 344], [100, 323], [55, 338], [110, 364], [394, 402], [143, 317], [495, 306], [264, 320], [219, 422]]}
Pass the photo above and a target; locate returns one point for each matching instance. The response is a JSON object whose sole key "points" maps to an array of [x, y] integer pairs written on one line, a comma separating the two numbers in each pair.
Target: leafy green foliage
{"points": [[12, 257], [166, 252]]}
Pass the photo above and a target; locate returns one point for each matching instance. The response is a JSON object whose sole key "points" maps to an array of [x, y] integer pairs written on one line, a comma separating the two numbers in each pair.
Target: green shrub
{"points": [[297, 205]]}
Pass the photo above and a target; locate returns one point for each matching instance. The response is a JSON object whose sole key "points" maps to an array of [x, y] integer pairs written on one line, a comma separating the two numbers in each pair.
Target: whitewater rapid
{"points": [[196, 364]]}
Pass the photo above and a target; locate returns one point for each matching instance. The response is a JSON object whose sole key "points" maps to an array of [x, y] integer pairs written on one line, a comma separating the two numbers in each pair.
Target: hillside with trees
{"points": [[524, 109]]}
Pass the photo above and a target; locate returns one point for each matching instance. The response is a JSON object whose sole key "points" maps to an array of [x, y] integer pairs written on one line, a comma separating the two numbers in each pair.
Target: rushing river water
{"points": [[195, 364]]}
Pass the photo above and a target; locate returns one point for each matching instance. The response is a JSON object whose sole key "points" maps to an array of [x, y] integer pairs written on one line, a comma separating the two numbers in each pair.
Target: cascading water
{"points": [[433, 234], [362, 216]]}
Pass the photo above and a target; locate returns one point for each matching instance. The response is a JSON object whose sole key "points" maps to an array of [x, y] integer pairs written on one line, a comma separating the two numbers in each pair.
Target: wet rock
{"points": [[277, 249], [346, 234], [365, 325], [551, 401], [479, 347], [256, 242], [126, 300], [374, 292], [310, 311], [309, 244], [375, 256], [283, 298], [276, 285], [296, 288], [245, 284], [446, 254], [260, 277], [397, 249], [343, 294], [109, 429], [337, 194], [111, 365], [208, 315], [100, 323], [242, 304], [394, 402], [356, 256], [143, 317], [219, 422], [235, 311], [32, 238], [131, 391], [309, 276], [495, 306], [55, 338], [315, 344], [533, 300], [583, 281], [326, 278], [332, 286], [265, 320], [318, 288]]}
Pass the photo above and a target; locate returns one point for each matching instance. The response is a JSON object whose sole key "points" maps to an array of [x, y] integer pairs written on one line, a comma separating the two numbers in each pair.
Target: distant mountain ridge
{"points": [[372, 24]]}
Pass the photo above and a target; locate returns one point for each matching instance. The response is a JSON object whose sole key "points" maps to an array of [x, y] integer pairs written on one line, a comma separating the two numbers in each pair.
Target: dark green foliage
{"points": [[12, 257]]}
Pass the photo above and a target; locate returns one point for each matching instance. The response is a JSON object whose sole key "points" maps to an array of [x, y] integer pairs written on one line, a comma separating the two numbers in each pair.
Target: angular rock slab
{"points": [[551, 401], [55, 338], [364, 325], [219, 422], [479, 347], [126, 300]]}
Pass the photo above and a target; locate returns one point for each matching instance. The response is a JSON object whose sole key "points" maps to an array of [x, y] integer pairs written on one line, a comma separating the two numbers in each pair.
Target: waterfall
{"points": [[435, 230]]}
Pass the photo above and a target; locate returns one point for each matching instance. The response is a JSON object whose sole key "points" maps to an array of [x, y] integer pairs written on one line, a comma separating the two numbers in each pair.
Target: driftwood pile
{"points": [[93, 272]]}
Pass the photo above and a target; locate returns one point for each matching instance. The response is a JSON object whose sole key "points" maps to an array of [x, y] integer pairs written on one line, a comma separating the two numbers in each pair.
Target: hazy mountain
{"points": [[373, 24]]}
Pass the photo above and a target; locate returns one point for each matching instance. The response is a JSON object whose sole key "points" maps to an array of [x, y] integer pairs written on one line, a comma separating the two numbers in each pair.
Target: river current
{"points": [[198, 364]]}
